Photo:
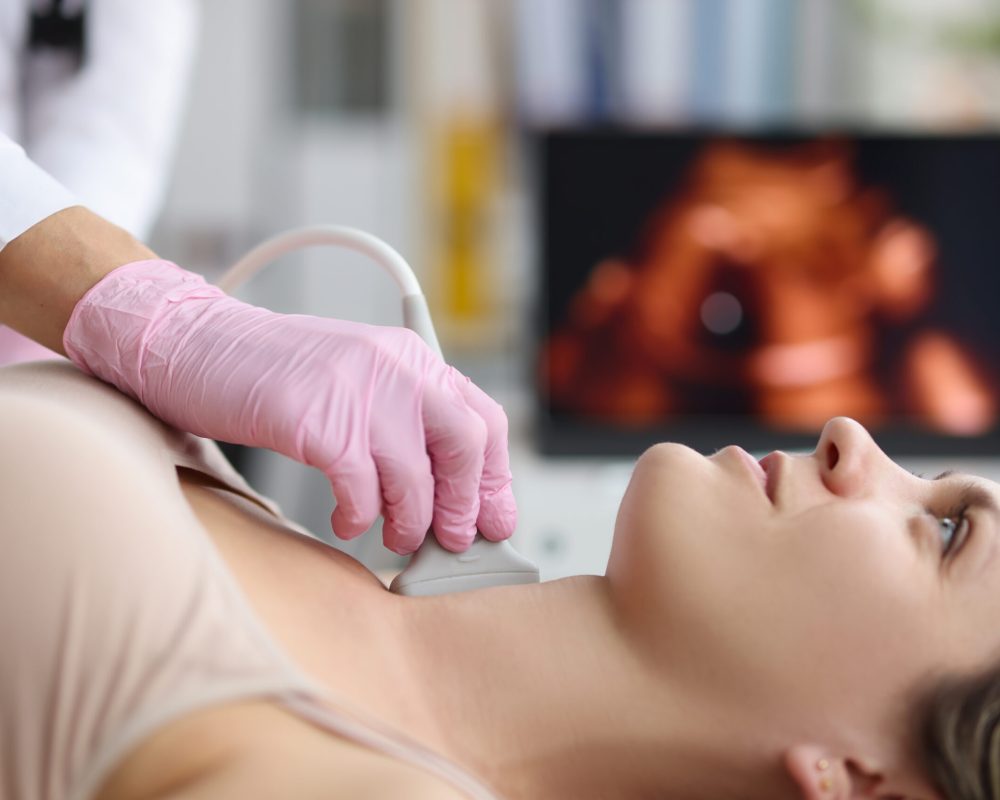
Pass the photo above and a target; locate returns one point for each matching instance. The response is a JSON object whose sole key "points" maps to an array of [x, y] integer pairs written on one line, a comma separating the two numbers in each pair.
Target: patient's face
{"points": [[830, 592]]}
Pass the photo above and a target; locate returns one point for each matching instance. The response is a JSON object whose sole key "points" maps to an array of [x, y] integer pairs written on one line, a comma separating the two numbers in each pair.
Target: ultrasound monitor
{"points": [[715, 288]]}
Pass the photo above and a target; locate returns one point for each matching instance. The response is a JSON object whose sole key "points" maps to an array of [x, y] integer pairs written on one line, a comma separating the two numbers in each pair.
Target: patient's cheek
{"points": [[853, 545]]}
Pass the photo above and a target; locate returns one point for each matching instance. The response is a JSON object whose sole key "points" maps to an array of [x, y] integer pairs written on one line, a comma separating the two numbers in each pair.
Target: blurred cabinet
{"points": [[566, 511]]}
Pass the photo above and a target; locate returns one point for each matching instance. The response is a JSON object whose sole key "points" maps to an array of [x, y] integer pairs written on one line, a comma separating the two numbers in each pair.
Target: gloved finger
{"points": [[399, 450], [497, 508], [407, 499], [456, 439], [359, 500], [403, 541]]}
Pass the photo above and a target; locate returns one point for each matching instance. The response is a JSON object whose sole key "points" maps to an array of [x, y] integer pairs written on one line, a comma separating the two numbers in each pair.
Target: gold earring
{"points": [[826, 784]]}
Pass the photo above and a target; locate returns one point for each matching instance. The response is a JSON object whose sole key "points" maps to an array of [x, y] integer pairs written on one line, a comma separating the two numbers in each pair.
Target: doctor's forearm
{"points": [[49, 267]]}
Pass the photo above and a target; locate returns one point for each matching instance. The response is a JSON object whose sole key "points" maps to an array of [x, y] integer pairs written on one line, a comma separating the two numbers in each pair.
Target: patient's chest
{"points": [[258, 749], [320, 606], [331, 615]]}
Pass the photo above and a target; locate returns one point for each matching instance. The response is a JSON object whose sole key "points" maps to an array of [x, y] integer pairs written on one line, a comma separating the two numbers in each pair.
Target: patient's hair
{"points": [[960, 736]]}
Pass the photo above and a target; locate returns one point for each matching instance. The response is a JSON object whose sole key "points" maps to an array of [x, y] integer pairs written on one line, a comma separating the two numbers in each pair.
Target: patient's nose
{"points": [[848, 456]]}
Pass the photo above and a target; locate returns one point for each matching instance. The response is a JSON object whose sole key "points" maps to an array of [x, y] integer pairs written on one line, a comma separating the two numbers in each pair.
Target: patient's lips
{"points": [[756, 469], [772, 465]]}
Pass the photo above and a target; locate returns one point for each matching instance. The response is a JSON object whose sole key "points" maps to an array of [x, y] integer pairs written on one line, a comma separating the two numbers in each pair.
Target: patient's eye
{"points": [[954, 530]]}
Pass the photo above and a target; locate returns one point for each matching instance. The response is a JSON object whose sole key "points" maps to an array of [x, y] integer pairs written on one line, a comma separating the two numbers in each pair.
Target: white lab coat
{"points": [[106, 129], [103, 129]]}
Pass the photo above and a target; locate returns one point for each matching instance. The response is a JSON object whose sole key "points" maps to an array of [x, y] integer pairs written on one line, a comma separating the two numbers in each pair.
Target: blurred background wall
{"points": [[413, 120]]}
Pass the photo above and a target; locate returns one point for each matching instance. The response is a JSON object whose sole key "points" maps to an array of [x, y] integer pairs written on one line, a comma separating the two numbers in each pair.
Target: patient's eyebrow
{"points": [[973, 494], [978, 497]]}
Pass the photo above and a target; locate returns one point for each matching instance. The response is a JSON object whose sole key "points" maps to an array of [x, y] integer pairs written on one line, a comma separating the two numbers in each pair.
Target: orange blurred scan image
{"points": [[776, 281]]}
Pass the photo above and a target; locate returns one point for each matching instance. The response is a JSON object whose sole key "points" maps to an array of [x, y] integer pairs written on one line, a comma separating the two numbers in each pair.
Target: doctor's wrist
{"points": [[47, 269]]}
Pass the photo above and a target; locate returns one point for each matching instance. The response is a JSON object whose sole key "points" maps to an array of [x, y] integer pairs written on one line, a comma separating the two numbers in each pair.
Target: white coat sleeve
{"points": [[107, 131], [12, 26], [27, 194]]}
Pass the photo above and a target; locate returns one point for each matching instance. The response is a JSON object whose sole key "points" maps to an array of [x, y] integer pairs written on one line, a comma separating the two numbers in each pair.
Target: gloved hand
{"points": [[394, 428]]}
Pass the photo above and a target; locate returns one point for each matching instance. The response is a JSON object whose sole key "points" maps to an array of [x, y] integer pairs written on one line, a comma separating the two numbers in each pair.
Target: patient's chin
{"points": [[691, 532], [669, 499]]}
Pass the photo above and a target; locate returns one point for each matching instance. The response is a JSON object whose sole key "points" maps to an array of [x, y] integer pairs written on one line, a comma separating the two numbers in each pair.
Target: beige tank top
{"points": [[110, 632]]}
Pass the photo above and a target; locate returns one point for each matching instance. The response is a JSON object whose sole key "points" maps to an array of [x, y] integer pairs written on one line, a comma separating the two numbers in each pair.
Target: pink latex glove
{"points": [[395, 429]]}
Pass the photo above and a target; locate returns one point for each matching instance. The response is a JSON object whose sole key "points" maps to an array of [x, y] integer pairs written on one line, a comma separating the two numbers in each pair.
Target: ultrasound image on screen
{"points": [[768, 283]]}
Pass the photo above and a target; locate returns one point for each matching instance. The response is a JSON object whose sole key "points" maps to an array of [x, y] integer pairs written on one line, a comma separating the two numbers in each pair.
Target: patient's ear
{"points": [[820, 775]]}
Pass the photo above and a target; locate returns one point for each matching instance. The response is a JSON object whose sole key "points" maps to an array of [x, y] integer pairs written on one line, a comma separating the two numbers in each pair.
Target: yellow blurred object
{"points": [[457, 57], [467, 181]]}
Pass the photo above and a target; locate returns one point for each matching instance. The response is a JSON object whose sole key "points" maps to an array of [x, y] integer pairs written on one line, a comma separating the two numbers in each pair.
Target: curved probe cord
{"points": [[415, 313]]}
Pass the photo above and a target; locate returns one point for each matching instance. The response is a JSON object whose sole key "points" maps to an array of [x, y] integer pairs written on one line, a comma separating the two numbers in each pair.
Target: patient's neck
{"points": [[540, 692]]}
